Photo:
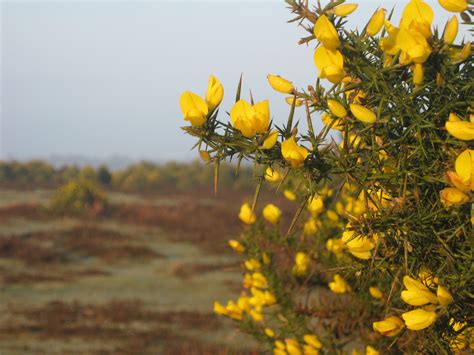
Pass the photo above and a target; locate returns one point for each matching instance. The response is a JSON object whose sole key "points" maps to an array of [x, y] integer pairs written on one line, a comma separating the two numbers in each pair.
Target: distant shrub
{"points": [[79, 198]]}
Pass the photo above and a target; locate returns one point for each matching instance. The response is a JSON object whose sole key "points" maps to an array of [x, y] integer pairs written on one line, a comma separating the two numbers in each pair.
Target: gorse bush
{"points": [[379, 253], [79, 198]]}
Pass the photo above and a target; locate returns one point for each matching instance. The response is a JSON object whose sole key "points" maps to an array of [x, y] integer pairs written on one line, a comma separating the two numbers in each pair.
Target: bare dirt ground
{"points": [[141, 280]]}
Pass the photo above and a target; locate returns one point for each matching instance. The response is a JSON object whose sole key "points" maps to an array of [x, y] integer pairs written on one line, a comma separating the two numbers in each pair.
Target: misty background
{"points": [[101, 79]]}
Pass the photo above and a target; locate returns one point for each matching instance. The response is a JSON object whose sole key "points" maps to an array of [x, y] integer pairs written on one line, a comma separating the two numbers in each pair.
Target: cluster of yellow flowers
{"points": [[462, 179], [363, 223], [259, 297]]}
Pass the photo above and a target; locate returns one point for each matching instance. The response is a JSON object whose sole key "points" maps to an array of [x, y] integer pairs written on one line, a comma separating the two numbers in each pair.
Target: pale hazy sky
{"points": [[103, 78]]}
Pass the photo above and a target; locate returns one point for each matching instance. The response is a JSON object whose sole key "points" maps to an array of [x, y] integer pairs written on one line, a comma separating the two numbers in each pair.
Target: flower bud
{"points": [[280, 84], [337, 109], [345, 9], [451, 30], [375, 292], [376, 22], [418, 74], [290, 195], [363, 114], [214, 93]]}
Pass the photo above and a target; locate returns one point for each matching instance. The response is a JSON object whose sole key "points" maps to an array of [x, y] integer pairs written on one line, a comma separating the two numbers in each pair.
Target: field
{"points": [[140, 280]]}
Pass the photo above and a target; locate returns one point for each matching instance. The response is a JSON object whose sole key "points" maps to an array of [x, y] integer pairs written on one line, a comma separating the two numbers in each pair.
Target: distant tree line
{"points": [[139, 177]]}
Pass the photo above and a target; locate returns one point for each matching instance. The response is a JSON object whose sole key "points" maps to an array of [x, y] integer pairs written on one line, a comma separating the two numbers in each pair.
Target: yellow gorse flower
{"points": [[463, 130], [326, 33], [339, 285], [451, 30], [335, 246], [290, 195], [334, 123], [272, 175], [375, 292], [236, 245], [315, 205], [345, 9], [417, 16], [451, 196], [358, 246], [293, 152], [444, 296], [249, 119], [413, 45], [214, 93], [371, 351], [293, 347], [376, 22], [417, 294], [419, 319], [454, 5], [312, 340], [246, 215], [362, 113], [311, 226], [280, 84], [330, 64], [302, 263], [194, 108], [389, 327], [272, 213]]}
